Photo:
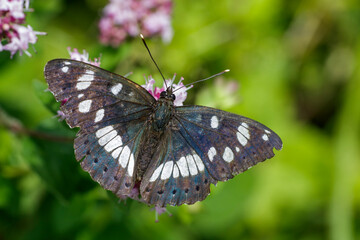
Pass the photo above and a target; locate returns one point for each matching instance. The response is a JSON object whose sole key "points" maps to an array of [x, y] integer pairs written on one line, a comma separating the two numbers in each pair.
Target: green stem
{"points": [[15, 126]]}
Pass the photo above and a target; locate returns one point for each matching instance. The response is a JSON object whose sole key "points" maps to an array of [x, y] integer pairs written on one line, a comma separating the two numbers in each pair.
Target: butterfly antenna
{"points": [[202, 80], [142, 38]]}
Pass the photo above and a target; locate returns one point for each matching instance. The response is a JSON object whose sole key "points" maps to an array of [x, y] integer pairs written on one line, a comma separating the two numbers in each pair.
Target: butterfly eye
{"points": [[173, 97], [163, 94]]}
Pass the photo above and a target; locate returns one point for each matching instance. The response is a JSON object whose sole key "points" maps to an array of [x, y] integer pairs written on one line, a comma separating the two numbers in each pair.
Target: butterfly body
{"points": [[157, 123], [163, 112], [128, 140]]}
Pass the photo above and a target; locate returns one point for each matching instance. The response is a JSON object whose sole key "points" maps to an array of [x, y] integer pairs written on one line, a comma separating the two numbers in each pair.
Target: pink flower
{"points": [[178, 89], [16, 8], [15, 36], [134, 194], [158, 23], [20, 42], [60, 115], [159, 211], [127, 18], [84, 57]]}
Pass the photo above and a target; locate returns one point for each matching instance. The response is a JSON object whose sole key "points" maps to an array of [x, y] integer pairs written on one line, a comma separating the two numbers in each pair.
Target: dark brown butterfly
{"points": [[128, 140]]}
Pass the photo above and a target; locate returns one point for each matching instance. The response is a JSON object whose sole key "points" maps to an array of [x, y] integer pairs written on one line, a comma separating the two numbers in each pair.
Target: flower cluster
{"points": [[16, 37], [179, 89], [84, 57], [123, 18]]}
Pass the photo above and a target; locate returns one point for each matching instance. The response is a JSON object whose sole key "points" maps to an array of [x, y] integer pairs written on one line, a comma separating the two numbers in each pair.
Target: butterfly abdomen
{"points": [[147, 151]]}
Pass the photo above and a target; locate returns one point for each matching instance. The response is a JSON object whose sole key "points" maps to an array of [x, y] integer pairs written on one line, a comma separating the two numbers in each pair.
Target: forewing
{"points": [[111, 112]]}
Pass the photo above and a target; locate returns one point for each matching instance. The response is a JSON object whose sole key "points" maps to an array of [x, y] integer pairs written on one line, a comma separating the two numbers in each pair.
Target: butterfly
{"points": [[128, 139]]}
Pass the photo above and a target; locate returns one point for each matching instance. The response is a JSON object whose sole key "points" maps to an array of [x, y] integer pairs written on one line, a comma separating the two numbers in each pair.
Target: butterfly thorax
{"points": [[162, 114], [158, 122]]}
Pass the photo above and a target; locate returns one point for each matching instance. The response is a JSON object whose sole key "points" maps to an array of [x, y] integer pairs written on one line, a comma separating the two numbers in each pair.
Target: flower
{"points": [[15, 36], [60, 115], [124, 18], [84, 57], [158, 22], [134, 194], [159, 211], [20, 41], [178, 89]]}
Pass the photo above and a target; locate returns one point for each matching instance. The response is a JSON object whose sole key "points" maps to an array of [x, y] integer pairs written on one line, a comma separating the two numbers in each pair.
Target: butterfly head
{"points": [[168, 94]]}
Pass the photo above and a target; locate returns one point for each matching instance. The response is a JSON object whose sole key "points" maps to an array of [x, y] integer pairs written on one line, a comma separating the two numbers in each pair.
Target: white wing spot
{"points": [[167, 171], [183, 167], [115, 154], [241, 138], [211, 153], [237, 149], [65, 69], [243, 129], [198, 162], [114, 143], [84, 106], [131, 165], [80, 95], [87, 77], [214, 122], [265, 137], [192, 166], [176, 171], [228, 155], [85, 80], [67, 63], [267, 131], [156, 173], [99, 115], [107, 137], [82, 85], [124, 157], [102, 131], [243, 135], [116, 89]]}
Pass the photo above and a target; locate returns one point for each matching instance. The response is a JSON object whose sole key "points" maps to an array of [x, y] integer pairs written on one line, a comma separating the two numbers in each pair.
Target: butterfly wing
{"points": [[176, 174], [111, 112], [204, 145]]}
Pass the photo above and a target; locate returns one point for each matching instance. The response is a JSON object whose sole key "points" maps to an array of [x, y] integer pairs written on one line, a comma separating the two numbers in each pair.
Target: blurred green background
{"points": [[296, 66]]}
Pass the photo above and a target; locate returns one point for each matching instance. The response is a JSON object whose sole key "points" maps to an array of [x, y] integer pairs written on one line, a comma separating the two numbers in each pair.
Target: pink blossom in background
{"points": [[179, 90], [129, 18], [84, 57], [16, 36]]}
